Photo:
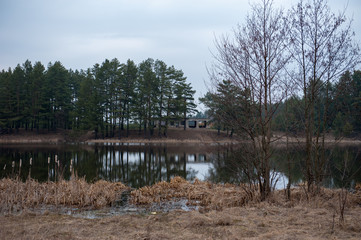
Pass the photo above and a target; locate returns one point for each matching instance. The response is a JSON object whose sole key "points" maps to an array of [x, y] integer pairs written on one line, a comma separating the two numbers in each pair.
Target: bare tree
{"points": [[322, 49], [254, 61]]}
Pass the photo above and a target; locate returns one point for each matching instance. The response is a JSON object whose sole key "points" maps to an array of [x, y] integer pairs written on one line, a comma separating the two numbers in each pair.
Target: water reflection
{"points": [[230, 166], [134, 164], [144, 164]]}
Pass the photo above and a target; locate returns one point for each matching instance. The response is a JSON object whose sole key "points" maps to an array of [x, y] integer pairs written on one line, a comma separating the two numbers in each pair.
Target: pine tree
{"points": [[37, 93], [58, 95], [129, 81], [184, 100]]}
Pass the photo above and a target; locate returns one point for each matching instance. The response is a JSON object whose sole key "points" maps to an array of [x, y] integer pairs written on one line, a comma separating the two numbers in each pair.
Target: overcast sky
{"points": [[80, 33]]}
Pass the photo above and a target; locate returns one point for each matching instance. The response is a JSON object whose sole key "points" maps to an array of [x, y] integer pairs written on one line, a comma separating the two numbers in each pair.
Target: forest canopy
{"points": [[343, 113], [104, 98]]}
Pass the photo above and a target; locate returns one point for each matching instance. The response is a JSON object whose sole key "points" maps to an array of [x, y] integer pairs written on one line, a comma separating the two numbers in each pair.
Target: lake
{"points": [[140, 164]]}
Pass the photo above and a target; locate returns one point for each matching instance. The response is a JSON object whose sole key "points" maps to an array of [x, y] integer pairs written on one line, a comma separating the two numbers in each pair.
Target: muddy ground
{"points": [[223, 212], [261, 221]]}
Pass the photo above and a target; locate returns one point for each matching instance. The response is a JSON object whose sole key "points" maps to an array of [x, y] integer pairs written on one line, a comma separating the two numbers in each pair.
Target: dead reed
{"points": [[16, 195], [205, 194], [211, 196]]}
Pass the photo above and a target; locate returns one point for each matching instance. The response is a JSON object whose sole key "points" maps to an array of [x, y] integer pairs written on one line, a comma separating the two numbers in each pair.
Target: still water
{"points": [[138, 165]]}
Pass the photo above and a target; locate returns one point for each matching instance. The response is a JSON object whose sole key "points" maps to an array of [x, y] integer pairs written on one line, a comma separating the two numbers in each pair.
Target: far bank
{"points": [[175, 135]]}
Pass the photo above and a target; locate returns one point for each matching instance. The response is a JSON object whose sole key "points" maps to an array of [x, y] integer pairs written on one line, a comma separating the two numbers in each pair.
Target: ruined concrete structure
{"points": [[190, 123]]}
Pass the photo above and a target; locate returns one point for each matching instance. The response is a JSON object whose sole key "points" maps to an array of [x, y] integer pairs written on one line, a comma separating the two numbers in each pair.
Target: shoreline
{"points": [[277, 143], [225, 211], [161, 141], [176, 136]]}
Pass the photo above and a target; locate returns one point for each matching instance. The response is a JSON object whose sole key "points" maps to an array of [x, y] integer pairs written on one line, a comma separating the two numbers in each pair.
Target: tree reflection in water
{"points": [[231, 166], [144, 164]]}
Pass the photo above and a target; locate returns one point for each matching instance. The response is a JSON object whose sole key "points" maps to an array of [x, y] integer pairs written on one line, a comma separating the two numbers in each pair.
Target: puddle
{"points": [[118, 208], [106, 212], [126, 208]]}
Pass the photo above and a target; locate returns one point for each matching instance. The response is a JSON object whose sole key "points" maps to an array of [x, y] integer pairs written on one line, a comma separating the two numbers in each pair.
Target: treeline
{"points": [[276, 54], [106, 98], [228, 104], [343, 117]]}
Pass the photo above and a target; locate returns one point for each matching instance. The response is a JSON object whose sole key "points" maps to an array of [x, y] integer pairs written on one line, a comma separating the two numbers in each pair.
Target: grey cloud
{"points": [[80, 33]]}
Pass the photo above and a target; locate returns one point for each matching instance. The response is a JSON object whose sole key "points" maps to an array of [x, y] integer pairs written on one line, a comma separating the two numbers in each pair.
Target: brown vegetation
{"points": [[206, 195], [22, 136], [16, 195], [174, 135], [261, 221], [226, 212], [276, 219]]}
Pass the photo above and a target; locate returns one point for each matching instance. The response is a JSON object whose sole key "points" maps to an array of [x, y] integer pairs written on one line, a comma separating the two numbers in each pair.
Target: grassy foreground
{"points": [[225, 212], [16, 196]]}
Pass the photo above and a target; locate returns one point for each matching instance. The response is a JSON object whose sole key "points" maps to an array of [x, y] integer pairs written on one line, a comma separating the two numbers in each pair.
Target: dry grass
{"points": [[229, 212], [211, 196], [16, 195], [260, 221], [205, 194]]}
